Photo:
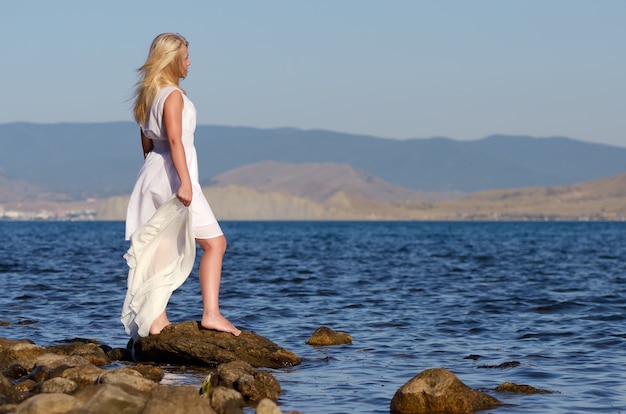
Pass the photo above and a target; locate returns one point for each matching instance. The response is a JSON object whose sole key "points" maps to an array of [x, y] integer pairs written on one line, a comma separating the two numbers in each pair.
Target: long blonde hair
{"points": [[162, 68]]}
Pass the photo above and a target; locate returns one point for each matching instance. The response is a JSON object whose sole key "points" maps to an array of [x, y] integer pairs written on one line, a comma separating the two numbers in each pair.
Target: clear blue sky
{"points": [[396, 69]]}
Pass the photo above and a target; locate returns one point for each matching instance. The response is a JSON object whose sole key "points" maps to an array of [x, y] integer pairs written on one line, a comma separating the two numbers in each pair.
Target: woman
{"points": [[168, 119]]}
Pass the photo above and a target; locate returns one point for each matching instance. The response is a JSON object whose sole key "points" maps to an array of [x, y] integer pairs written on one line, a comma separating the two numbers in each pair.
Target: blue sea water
{"points": [[464, 296]]}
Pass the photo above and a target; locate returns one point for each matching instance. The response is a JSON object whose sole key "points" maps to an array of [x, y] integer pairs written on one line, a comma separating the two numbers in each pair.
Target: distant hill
{"points": [[16, 192], [319, 182], [605, 199], [593, 200], [102, 159]]}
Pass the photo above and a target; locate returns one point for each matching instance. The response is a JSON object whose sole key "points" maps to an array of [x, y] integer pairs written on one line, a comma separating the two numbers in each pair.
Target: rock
{"points": [[150, 372], [439, 390], [112, 398], [15, 370], [129, 377], [267, 406], [226, 400], [8, 408], [48, 404], [325, 336], [23, 350], [39, 373], [90, 351], [120, 354], [56, 386], [84, 375], [68, 378], [8, 394], [188, 343], [253, 384], [522, 389], [177, 400], [53, 361], [25, 386], [504, 365]]}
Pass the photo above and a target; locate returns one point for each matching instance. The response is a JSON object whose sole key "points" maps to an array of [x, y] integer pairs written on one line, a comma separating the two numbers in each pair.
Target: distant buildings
{"points": [[47, 215]]}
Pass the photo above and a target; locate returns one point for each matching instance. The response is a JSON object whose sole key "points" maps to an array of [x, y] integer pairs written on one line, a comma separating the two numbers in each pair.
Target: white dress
{"points": [[162, 231], [160, 258], [158, 180]]}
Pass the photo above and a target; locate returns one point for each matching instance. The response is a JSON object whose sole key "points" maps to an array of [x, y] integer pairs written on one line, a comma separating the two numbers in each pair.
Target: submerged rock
{"points": [[189, 343], [324, 336], [504, 365], [520, 388], [438, 390]]}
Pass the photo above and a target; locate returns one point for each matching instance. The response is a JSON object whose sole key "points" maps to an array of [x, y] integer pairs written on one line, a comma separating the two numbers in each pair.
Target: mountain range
{"points": [[85, 171], [102, 159]]}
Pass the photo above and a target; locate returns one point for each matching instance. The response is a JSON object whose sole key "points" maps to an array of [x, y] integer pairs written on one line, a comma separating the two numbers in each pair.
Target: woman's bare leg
{"points": [[159, 323], [210, 277]]}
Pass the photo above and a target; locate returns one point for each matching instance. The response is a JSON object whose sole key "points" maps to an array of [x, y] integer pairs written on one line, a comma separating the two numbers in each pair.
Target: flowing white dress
{"points": [[161, 255], [162, 231]]}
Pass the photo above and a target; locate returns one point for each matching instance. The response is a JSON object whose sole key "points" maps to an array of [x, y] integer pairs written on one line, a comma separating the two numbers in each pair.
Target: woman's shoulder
{"points": [[162, 95], [166, 91]]}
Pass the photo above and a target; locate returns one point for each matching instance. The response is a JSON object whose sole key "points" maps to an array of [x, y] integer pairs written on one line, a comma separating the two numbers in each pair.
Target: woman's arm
{"points": [[173, 119], [146, 144]]}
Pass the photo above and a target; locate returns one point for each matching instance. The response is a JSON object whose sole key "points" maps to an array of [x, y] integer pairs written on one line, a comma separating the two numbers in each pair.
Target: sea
{"points": [[532, 303]]}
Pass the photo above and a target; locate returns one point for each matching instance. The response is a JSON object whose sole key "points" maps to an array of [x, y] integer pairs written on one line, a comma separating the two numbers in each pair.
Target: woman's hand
{"points": [[185, 194]]}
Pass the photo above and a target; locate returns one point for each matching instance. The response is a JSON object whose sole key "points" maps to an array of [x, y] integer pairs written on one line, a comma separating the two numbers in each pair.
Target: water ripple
{"points": [[544, 301]]}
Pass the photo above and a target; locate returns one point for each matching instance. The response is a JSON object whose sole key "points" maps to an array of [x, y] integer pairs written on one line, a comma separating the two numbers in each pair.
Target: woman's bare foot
{"points": [[159, 323], [218, 323]]}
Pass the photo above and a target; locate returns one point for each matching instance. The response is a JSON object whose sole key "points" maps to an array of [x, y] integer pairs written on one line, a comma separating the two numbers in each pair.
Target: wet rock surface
{"points": [[188, 343]]}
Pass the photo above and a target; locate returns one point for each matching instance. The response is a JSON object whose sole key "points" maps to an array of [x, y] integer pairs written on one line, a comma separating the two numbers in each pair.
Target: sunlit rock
{"points": [[324, 336], [438, 390]]}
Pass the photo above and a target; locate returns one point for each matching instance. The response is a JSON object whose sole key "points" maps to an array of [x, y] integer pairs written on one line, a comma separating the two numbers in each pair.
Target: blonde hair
{"points": [[162, 68]]}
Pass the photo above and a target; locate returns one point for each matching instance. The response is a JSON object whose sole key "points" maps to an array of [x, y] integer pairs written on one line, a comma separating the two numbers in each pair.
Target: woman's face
{"points": [[184, 62]]}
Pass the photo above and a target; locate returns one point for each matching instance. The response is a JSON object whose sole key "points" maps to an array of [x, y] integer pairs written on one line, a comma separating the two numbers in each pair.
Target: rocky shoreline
{"points": [[84, 376]]}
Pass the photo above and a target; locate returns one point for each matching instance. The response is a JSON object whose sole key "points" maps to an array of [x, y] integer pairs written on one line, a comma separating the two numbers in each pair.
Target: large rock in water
{"points": [[438, 390], [189, 343]]}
